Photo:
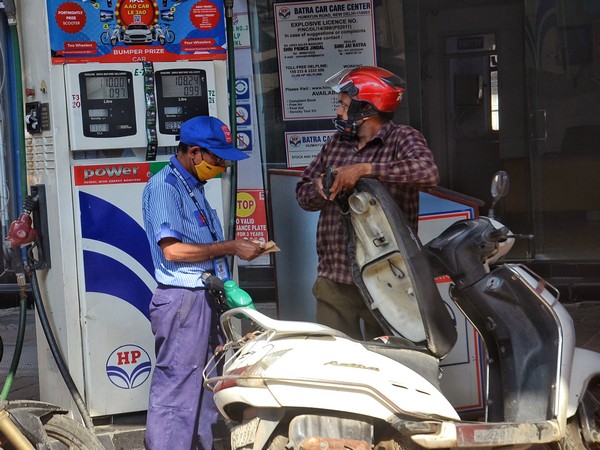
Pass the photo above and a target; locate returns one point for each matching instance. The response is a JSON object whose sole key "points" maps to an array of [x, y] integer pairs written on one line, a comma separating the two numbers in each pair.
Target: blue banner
{"points": [[136, 30]]}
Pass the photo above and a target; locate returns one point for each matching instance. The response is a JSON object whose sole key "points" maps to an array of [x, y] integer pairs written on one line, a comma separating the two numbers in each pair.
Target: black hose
{"points": [[20, 336], [60, 362]]}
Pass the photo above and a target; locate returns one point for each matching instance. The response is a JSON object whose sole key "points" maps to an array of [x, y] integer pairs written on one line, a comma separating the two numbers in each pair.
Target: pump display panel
{"points": [[107, 103], [181, 95]]}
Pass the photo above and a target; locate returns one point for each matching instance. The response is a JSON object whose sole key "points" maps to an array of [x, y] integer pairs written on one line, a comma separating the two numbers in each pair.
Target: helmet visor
{"points": [[335, 81]]}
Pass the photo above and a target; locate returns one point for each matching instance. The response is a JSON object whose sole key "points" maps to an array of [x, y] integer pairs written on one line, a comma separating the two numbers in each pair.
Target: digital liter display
{"points": [[182, 85]]}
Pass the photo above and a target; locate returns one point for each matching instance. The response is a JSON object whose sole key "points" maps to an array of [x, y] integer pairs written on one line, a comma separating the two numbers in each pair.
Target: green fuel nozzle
{"points": [[236, 297]]}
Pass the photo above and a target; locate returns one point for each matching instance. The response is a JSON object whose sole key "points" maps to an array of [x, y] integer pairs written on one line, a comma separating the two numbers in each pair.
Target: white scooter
{"points": [[297, 385]]}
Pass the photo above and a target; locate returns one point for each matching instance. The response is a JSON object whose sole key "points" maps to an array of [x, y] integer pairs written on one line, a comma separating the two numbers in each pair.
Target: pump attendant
{"points": [[186, 240], [367, 144]]}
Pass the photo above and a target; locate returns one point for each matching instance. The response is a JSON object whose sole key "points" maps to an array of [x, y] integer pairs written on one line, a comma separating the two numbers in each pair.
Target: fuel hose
{"points": [[60, 362], [20, 336]]}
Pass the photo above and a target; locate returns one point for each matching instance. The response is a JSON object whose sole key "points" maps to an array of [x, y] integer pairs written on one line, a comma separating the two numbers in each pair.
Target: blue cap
{"points": [[212, 134]]}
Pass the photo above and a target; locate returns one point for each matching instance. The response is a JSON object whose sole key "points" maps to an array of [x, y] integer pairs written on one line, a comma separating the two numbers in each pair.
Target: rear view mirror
{"points": [[500, 186]]}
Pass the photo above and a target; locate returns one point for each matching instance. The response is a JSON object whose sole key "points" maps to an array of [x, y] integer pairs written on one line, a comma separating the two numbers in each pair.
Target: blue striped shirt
{"points": [[170, 212]]}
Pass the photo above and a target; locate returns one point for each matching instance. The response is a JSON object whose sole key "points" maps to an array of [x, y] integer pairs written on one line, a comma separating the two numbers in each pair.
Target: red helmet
{"points": [[374, 85]]}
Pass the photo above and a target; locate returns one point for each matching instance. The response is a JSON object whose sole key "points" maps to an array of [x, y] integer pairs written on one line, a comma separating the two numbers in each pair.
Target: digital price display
{"points": [[107, 87], [182, 85], [181, 95], [107, 103]]}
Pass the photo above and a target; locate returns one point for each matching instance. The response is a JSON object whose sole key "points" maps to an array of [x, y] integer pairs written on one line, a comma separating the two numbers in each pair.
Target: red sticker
{"points": [[227, 133], [130, 12], [204, 15], [70, 17]]}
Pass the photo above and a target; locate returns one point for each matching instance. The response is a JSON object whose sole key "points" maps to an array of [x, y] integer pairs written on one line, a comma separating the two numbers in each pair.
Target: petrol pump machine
{"points": [[114, 112]]}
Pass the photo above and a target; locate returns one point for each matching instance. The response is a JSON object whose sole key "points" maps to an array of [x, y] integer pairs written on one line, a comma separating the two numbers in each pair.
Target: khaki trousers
{"points": [[341, 306]]}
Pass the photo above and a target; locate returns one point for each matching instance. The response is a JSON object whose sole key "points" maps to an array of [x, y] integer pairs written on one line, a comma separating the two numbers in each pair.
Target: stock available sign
{"points": [[136, 30]]}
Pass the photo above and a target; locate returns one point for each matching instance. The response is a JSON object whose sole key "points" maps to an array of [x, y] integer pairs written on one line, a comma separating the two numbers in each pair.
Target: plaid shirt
{"points": [[400, 159]]}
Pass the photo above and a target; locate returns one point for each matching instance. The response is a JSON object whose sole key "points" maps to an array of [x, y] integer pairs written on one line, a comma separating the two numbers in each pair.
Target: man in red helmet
{"points": [[367, 144]]}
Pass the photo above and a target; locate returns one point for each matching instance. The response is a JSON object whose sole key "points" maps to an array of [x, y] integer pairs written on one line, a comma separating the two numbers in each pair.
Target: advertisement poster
{"points": [[314, 41], [251, 217], [251, 220], [136, 30], [301, 147]]}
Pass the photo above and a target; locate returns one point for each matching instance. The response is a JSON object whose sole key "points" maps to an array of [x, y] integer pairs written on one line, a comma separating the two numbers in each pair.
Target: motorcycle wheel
{"points": [[71, 434], [170, 36], [105, 38]]}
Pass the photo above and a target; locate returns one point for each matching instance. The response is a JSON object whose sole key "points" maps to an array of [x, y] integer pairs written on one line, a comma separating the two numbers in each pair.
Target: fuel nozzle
{"points": [[236, 297], [228, 293], [21, 231]]}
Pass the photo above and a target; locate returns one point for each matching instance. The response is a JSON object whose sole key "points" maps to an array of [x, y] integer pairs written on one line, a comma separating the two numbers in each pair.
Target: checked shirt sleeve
{"points": [[307, 195], [412, 162]]}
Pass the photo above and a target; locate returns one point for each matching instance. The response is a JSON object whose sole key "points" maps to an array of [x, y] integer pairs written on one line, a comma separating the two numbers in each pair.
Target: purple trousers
{"points": [[181, 412]]}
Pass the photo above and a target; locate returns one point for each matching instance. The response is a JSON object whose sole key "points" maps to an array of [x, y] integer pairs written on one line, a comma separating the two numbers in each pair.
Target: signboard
{"points": [[301, 147], [314, 41], [241, 31], [251, 217], [136, 30], [251, 221], [467, 44]]}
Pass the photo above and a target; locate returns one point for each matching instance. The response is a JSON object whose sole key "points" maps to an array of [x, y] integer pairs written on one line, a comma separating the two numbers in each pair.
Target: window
{"points": [[494, 101]]}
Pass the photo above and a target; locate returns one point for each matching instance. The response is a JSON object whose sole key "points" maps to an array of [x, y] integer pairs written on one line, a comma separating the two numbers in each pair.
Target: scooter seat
{"points": [[405, 352], [391, 269]]}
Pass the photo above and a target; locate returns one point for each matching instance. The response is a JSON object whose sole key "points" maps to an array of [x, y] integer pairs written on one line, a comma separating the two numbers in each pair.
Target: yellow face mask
{"points": [[207, 171]]}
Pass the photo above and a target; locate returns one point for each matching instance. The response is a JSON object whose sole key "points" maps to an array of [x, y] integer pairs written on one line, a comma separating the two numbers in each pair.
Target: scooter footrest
{"points": [[481, 434]]}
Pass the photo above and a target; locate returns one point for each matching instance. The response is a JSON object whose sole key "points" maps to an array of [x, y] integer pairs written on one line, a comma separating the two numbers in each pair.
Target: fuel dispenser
{"points": [[117, 100], [108, 127]]}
